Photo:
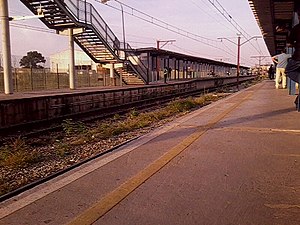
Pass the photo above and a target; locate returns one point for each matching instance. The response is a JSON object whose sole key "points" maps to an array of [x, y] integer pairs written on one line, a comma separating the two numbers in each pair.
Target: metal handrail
{"points": [[85, 13], [139, 65]]}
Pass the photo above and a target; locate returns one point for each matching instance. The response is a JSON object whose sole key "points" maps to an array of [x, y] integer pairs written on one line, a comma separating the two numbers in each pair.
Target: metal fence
{"points": [[44, 79]]}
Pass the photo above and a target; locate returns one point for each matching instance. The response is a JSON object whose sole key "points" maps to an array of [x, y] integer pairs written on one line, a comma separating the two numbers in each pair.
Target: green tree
{"points": [[32, 59]]}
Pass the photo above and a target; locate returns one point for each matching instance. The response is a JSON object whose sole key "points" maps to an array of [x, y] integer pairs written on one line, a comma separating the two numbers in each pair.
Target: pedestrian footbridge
{"points": [[91, 33]]}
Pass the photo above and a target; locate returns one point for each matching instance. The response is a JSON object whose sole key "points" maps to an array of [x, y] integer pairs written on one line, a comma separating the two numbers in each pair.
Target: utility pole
{"points": [[239, 44], [6, 49], [8, 81], [260, 58], [238, 62]]}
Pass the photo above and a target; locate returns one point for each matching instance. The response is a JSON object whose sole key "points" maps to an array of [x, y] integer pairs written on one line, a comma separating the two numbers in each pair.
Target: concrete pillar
{"points": [[112, 74], [157, 68], [111, 71], [152, 61], [72, 60], [121, 78], [8, 81], [149, 67], [178, 69]]}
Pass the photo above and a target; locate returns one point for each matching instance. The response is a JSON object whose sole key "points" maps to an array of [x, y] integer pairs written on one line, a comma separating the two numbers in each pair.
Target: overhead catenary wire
{"points": [[30, 27], [40, 29], [230, 19], [150, 19], [229, 49], [139, 37], [190, 51], [235, 26], [215, 19], [260, 51], [155, 20], [205, 11], [164, 25]]}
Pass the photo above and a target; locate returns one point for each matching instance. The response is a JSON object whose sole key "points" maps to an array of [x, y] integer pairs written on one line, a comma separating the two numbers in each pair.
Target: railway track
{"points": [[148, 104], [19, 119], [37, 127], [31, 129]]}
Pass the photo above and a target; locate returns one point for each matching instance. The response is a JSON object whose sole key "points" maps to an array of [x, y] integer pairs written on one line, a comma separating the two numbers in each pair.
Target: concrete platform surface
{"points": [[236, 161], [65, 91]]}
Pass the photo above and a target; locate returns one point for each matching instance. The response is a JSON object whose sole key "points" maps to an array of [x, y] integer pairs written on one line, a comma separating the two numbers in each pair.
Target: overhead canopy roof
{"points": [[169, 54], [274, 18]]}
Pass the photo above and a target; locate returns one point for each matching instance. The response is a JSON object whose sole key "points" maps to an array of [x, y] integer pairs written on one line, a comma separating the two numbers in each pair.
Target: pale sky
{"points": [[196, 16]]}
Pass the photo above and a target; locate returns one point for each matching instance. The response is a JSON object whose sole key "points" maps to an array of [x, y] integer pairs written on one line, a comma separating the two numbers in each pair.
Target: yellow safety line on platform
{"points": [[260, 130], [287, 155], [94, 213]]}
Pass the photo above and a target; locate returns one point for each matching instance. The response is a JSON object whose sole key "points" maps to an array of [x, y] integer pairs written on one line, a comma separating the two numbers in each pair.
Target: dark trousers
{"points": [[165, 78]]}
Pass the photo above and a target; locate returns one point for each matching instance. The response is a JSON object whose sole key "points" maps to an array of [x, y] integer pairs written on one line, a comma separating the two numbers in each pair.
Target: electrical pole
{"points": [[260, 58], [238, 62], [8, 81], [6, 49], [239, 44]]}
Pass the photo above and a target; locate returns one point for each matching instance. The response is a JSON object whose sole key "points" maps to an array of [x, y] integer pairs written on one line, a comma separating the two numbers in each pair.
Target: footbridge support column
{"points": [[112, 74], [72, 60]]}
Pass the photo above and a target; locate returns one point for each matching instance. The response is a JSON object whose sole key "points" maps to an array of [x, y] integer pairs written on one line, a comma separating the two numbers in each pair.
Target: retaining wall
{"points": [[35, 109]]}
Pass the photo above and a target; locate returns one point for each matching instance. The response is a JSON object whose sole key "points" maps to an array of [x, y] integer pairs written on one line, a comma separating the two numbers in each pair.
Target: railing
{"points": [[85, 13], [44, 79], [137, 63]]}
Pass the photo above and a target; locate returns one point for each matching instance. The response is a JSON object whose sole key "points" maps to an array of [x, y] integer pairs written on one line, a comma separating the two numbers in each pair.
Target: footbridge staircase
{"points": [[92, 35]]}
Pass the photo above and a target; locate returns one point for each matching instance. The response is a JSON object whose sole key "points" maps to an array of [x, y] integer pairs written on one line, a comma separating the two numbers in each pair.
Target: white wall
{"points": [[61, 61]]}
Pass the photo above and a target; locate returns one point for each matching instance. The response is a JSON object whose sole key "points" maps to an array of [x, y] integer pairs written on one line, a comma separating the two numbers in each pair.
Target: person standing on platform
{"points": [[169, 73], [166, 72], [281, 60], [293, 67], [271, 72]]}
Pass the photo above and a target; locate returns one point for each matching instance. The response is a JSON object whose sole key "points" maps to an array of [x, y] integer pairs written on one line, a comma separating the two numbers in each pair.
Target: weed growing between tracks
{"points": [[17, 154], [23, 161]]}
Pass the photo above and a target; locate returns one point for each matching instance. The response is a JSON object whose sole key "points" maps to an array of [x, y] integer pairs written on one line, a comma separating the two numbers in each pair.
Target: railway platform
{"points": [[53, 106], [54, 92], [80, 90], [236, 161]]}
